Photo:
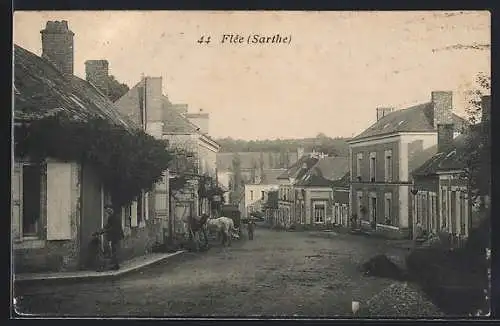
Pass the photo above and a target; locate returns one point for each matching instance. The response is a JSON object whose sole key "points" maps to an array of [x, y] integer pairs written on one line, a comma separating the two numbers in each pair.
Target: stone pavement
{"points": [[125, 267]]}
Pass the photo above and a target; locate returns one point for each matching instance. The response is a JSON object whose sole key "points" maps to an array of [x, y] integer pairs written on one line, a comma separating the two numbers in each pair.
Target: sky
{"points": [[337, 69]]}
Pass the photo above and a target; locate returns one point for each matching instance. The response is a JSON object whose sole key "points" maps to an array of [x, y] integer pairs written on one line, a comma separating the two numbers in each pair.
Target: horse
{"points": [[224, 226], [196, 225]]}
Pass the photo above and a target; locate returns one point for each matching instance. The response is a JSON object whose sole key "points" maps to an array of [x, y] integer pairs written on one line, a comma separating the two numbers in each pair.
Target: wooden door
{"points": [[92, 208]]}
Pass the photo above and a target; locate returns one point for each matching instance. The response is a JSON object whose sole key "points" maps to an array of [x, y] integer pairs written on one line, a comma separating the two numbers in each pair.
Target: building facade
{"points": [[57, 205], [256, 194], [384, 155], [316, 202], [441, 193], [195, 163]]}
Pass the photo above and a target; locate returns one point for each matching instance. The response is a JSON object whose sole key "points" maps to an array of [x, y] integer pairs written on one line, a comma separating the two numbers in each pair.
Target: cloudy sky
{"points": [[337, 69]]}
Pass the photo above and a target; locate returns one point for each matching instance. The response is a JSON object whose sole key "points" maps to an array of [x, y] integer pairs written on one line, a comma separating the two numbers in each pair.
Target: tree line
{"points": [[334, 146]]}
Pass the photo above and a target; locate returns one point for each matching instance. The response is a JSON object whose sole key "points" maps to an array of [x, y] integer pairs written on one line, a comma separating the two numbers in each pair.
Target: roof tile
{"points": [[40, 90], [418, 118]]}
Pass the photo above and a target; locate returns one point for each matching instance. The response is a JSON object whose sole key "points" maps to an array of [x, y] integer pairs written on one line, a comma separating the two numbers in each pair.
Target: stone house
{"points": [[441, 190], [256, 194], [340, 200], [383, 156], [186, 133], [57, 205], [287, 180], [316, 202]]}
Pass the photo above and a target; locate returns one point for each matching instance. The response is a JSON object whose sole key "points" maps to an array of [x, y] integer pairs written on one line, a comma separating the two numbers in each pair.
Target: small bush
{"points": [[381, 266]]}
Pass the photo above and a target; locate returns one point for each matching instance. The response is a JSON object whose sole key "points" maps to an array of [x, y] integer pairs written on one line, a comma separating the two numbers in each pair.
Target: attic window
{"points": [[453, 152], [400, 122], [385, 126]]}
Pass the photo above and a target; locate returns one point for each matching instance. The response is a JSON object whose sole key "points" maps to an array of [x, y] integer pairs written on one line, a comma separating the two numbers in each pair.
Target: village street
{"points": [[279, 273]]}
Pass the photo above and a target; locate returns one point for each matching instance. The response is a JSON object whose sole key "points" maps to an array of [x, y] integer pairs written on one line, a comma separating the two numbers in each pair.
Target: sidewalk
{"points": [[126, 267]]}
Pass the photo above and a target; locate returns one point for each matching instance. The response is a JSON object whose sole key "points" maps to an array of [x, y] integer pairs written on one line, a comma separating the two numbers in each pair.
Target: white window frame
{"points": [[388, 209], [316, 205], [359, 196], [444, 208], [336, 213], [344, 214], [371, 209], [373, 167], [388, 158], [359, 160], [33, 240]]}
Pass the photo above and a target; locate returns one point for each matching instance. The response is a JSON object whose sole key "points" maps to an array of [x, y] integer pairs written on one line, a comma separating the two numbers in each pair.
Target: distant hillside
{"points": [[256, 160], [336, 146]]}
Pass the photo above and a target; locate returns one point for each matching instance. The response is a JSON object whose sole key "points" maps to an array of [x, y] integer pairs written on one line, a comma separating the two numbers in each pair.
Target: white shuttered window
{"points": [[58, 201]]}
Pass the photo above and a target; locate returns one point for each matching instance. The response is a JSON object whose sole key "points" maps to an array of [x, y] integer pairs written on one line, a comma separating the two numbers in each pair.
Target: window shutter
{"points": [[16, 201], [58, 201], [146, 206], [133, 220]]}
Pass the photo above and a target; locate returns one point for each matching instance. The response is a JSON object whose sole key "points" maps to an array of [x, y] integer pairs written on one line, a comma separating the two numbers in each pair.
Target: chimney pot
{"points": [[57, 46], [382, 112], [442, 102], [97, 73]]}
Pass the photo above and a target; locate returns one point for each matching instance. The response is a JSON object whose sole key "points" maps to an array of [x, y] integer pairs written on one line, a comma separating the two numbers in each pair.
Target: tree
{"points": [[478, 145], [282, 159], [237, 179], [271, 160], [253, 175]]}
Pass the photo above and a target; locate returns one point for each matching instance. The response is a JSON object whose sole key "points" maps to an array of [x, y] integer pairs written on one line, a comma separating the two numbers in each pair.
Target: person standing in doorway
{"points": [[114, 234]]}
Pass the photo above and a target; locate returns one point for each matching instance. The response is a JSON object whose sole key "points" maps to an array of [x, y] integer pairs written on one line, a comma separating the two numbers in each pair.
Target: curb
{"points": [[79, 276]]}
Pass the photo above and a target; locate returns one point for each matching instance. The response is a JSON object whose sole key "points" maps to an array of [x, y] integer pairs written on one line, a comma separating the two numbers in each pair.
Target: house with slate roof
{"points": [[57, 205], [383, 156], [316, 202], [256, 194], [287, 180], [441, 192], [186, 132]]}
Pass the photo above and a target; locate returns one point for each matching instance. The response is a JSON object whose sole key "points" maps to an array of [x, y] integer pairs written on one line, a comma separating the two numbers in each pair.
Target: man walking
{"points": [[114, 234]]}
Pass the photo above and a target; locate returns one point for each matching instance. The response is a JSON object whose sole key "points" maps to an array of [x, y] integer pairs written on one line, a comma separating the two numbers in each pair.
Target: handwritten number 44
{"points": [[204, 39]]}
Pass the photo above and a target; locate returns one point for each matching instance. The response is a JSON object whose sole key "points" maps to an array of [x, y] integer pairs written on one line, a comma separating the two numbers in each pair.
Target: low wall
{"points": [[47, 256], [139, 241]]}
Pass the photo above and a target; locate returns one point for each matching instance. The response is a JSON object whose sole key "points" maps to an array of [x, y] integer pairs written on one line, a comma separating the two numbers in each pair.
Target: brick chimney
{"points": [[200, 119], [442, 103], [485, 108], [57, 46], [445, 137], [97, 73], [382, 112]]}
